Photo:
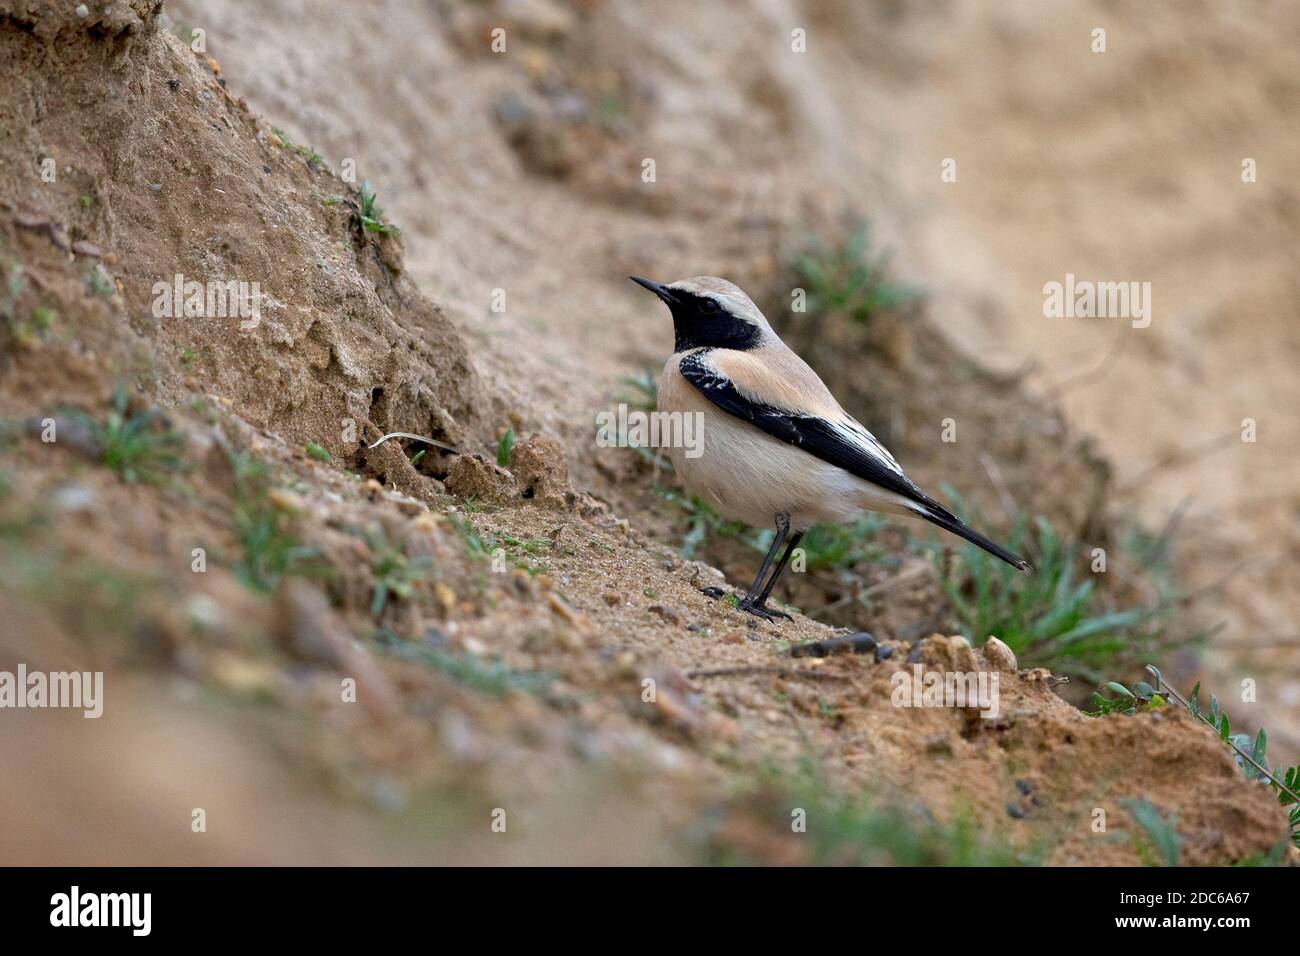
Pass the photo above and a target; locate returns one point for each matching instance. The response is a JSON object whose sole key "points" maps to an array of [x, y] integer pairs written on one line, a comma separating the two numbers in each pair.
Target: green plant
{"points": [[97, 282], [313, 159], [835, 547], [1250, 754], [27, 331], [1142, 697], [1161, 833], [139, 446], [270, 549], [700, 522], [505, 447], [396, 574], [319, 452], [372, 217], [479, 545], [484, 676], [643, 394], [14, 284], [1047, 617], [849, 278]]}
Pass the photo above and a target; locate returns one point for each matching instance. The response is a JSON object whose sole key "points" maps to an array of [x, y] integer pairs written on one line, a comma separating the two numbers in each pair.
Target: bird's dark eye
{"points": [[708, 306]]}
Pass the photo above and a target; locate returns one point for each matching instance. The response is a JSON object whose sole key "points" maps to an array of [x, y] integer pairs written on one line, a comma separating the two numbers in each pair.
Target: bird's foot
{"points": [[763, 611]]}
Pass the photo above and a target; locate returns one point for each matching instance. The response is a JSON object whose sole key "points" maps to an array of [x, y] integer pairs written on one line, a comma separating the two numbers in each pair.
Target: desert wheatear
{"points": [[777, 446]]}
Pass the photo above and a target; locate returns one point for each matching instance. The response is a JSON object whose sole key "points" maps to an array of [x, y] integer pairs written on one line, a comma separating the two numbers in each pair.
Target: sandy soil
{"points": [[517, 173]]}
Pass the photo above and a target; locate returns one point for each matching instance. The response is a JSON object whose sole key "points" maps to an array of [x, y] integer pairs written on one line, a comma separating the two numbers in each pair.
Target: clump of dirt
{"points": [[350, 654], [176, 183]]}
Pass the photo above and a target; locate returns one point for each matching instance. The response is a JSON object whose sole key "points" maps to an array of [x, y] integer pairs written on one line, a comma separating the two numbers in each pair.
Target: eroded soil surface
{"points": [[383, 655]]}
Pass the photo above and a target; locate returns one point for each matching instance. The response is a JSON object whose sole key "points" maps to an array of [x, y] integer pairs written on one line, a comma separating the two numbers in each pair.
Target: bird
{"points": [[777, 448]]}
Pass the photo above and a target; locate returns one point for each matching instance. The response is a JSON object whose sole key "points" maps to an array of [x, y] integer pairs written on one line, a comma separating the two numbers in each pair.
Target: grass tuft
{"points": [[849, 278], [270, 549], [1049, 617], [505, 447], [372, 217], [475, 673]]}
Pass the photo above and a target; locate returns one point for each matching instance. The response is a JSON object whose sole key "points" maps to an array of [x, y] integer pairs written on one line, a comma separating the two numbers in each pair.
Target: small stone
{"points": [[446, 596], [427, 521], [884, 652], [669, 614], [287, 501], [406, 504], [203, 612], [999, 656], [82, 11], [1014, 812], [560, 608], [570, 640], [625, 664], [612, 598], [83, 248], [77, 498], [939, 745]]}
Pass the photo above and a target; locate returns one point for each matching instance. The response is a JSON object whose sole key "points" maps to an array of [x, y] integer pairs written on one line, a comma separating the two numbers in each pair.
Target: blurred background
{"points": [[1117, 166], [920, 170]]}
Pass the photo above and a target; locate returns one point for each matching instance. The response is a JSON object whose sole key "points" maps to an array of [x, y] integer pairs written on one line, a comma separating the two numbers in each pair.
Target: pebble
{"points": [[669, 614], [445, 595], [77, 498], [999, 656], [203, 612]]}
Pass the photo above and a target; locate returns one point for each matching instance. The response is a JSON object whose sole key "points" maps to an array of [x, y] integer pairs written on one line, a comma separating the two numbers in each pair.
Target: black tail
{"points": [[950, 522]]}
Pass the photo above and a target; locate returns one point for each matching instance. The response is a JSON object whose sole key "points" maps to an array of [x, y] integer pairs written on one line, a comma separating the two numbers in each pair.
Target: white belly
{"points": [[747, 475]]}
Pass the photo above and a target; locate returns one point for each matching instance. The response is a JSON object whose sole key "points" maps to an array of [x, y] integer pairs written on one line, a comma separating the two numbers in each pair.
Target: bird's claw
{"points": [[763, 611], [758, 610]]}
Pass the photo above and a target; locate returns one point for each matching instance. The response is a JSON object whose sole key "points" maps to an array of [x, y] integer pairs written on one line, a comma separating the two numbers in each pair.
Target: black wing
{"points": [[839, 445], [814, 435]]}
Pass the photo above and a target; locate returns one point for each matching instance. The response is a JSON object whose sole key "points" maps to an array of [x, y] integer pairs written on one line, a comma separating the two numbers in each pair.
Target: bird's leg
{"points": [[780, 566], [753, 601]]}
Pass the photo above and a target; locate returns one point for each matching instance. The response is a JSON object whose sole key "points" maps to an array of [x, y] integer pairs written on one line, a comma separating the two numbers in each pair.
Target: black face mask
{"points": [[699, 321]]}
